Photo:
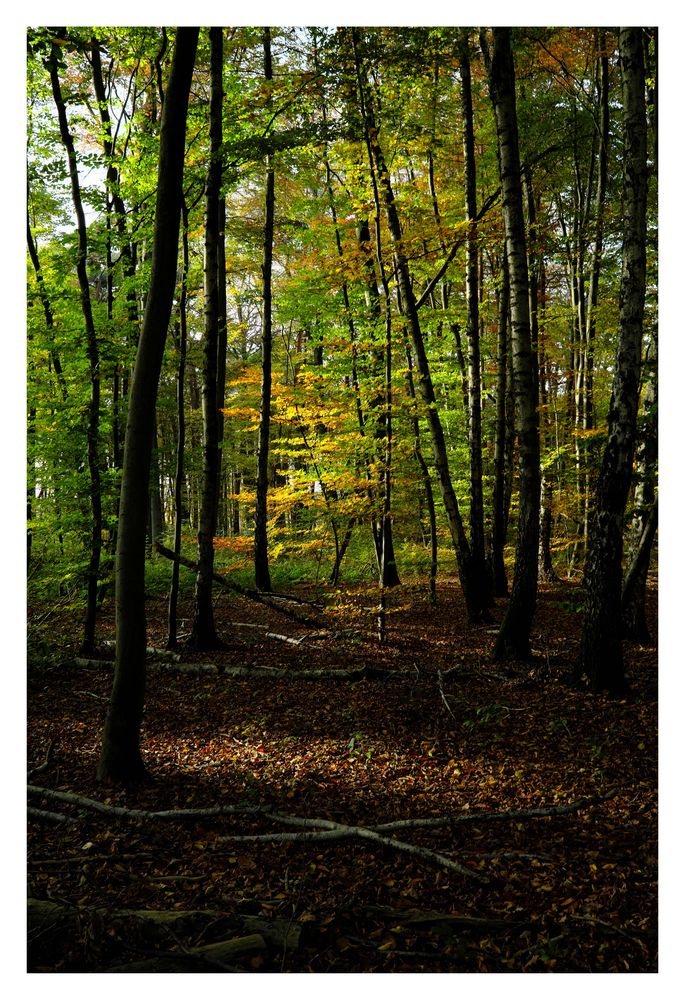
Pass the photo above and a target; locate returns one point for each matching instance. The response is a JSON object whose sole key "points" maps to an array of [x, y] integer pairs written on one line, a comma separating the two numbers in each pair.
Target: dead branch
{"points": [[537, 812], [419, 918], [93, 805], [44, 816], [365, 833], [269, 600], [48, 759]]}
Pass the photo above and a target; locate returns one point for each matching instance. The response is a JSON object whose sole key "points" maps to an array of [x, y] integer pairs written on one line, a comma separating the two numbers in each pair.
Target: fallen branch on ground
{"points": [[273, 673], [48, 759], [93, 805], [269, 600], [362, 832]]}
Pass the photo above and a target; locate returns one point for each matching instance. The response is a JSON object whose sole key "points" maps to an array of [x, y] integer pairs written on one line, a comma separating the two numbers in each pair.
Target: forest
{"points": [[342, 499]]}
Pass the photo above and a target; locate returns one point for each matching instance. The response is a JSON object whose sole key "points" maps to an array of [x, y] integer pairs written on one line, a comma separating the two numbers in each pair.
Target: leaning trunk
{"points": [[120, 758]]}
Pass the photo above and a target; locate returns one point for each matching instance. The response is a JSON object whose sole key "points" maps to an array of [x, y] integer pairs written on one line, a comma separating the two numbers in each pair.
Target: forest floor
{"points": [[435, 729]]}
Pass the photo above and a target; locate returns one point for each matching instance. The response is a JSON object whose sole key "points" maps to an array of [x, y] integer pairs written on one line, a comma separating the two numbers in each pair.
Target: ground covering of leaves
{"points": [[450, 733]]}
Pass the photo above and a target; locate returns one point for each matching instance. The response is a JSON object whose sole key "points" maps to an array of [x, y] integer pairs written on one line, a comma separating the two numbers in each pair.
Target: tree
{"points": [[93, 351], [262, 574], [513, 641], [203, 635], [601, 653], [120, 758], [473, 596]]}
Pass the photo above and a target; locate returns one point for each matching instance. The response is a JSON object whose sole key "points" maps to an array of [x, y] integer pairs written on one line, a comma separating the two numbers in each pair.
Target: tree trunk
{"points": [[262, 574], [426, 479], [601, 654], [513, 641], [203, 635], [500, 506], [92, 350], [472, 596], [476, 520], [382, 529], [120, 758], [172, 639], [644, 517]]}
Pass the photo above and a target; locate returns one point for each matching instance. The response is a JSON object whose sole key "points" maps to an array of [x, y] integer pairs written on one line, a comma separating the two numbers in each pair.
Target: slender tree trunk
{"points": [[644, 524], [476, 521], [120, 758], [92, 350], [426, 479], [472, 596], [172, 638], [203, 635], [633, 590], [601, 655], [262, 574], [513, 641], [499, 486], [221, 365]]}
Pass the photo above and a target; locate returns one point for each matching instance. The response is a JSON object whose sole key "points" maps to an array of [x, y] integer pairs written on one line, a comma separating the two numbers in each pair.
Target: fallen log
{"points": [[49, 922], [272, 673], [216, 956]]}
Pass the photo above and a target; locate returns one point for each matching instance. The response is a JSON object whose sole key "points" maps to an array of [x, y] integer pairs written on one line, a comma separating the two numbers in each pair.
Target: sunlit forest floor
{"points": [[433, 729]]}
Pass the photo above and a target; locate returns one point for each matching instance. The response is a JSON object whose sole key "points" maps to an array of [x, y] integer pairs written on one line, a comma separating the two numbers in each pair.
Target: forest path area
{"points": [[434, 731]]}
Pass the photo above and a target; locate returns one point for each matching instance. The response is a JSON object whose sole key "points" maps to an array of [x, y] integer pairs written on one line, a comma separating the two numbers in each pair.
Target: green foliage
{"points": [[329, 334]]}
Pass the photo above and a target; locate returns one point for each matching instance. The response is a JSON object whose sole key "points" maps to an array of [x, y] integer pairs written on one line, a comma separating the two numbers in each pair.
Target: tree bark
{"points": [[203, 634], [261, 555], [120, 758], [644, 525], [172, 640], [601, 655], [476, 519], [513, 641], [92, 351], [500, 506]]}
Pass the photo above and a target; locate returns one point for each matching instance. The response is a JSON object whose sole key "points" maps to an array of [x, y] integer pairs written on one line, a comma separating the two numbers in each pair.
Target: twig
{"points": [[48, 759], [43, 815]]}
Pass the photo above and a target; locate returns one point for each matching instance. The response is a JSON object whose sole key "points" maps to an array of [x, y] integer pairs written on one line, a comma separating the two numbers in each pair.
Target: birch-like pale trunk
{"points": [[601, 654]]}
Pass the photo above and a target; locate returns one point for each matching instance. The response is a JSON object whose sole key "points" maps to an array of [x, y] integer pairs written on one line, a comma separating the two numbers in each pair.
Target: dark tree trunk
{"points": [[203, 635], [479, 568], [92, 350], [172, 638], [222, 512], [513, 641], [500, 507], [644, 517], [382, 528], [261, 554], [426, 480], [546, 570], [120, 758], [601, 655]]}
